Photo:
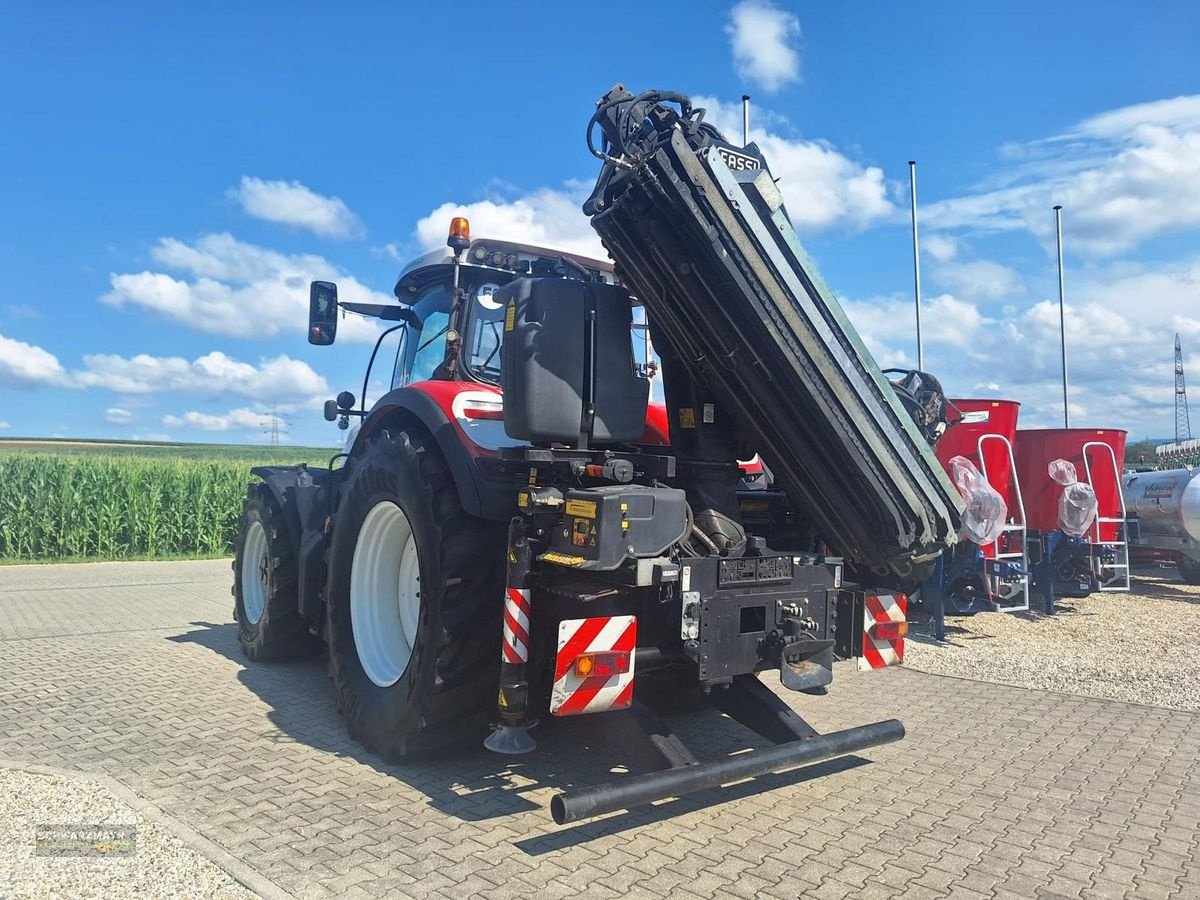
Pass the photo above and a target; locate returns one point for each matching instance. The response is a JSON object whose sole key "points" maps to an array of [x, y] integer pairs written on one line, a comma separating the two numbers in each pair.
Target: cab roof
{"points": [[505, 258]]}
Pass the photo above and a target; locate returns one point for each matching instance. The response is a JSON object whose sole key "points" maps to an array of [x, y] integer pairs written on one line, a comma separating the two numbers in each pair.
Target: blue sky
{"points": [[174, 174]]}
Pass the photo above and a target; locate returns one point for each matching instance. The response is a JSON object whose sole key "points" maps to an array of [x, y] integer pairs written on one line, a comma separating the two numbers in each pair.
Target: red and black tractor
{"points": [[515, 530]]}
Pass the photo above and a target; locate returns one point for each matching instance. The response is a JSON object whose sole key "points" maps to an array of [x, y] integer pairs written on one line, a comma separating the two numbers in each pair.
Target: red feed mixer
{"points": [[992, 576], [1098, 559]]}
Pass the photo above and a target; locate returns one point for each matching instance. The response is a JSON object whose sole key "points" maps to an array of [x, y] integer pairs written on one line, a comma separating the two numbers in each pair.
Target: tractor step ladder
{"points": [[1016, 526], [1112, 576]]}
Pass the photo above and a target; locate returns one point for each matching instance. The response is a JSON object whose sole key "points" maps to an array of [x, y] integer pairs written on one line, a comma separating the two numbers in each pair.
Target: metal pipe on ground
{"points": [[639, 790]]}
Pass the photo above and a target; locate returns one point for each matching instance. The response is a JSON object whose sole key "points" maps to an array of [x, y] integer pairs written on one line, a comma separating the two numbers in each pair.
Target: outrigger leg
{"points": [[512, 734]]}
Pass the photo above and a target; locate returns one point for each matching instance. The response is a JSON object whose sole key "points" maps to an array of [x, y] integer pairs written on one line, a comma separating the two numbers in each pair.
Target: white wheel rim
{"points": [[385, 593], [256, 572]]}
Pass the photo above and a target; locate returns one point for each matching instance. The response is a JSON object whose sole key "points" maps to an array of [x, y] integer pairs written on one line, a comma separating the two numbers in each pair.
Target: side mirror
{"points": [[322, 313]]}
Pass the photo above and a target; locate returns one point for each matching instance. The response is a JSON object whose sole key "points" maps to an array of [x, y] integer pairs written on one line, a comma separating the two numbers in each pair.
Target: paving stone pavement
{"points": [[132, 670]]}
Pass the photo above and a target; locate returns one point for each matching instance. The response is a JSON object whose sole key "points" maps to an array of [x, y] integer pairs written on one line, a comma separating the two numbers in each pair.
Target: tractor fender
{"points": [[304, 509], [281, 482], [431, 405]]}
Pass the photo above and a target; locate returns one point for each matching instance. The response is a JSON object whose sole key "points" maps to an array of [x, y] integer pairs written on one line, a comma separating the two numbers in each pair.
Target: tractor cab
{"points": [[450, 326], [480, 268]]}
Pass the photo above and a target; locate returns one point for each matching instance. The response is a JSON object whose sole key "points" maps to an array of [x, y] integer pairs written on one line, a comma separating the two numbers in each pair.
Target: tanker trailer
{"points": [[1166, 508], [1074, 558], [993, 576]]}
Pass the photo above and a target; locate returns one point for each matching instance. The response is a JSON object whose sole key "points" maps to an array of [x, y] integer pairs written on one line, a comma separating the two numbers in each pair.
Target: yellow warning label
{"points": [[562, 559], [510, 316], [584, 508], [501, 702], [523, 499], [687, 417]]}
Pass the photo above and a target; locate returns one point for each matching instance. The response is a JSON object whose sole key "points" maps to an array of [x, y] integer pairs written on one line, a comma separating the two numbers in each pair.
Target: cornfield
{"points": [[55, 506]]}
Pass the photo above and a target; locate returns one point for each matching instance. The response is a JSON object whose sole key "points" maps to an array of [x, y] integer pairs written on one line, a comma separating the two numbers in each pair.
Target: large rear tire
{"points": [[264, 584], [415, 591], [1189, 570]]}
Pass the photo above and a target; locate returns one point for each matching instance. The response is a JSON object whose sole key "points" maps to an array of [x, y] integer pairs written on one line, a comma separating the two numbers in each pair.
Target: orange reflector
{"points": [[602, 665], [889, 631], [460, 228]]}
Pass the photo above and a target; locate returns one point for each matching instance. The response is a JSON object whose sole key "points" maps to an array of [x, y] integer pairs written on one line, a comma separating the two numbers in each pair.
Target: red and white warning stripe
{"points": [[515, 646], [884, 627], [573, 694]]}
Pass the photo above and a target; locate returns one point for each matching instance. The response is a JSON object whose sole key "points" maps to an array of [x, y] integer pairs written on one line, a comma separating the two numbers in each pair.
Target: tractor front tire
{"points": [[414, 604], [264, 584], [1189, 570]]}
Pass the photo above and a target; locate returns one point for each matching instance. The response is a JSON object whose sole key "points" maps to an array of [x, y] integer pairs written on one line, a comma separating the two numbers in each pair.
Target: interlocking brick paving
{"points": [[132, 670]]}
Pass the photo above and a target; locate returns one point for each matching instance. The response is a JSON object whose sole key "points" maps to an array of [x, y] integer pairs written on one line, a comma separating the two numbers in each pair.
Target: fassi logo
{"points": [[739, 162]]}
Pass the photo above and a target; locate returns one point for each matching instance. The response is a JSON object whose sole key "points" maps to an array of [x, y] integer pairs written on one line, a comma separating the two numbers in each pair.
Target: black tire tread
{"points": [[459, 701], [1189, 570], [281, 633]]}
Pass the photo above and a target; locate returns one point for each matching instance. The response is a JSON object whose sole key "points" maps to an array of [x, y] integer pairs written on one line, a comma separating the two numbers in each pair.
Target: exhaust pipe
{"points": [[638, 790]]}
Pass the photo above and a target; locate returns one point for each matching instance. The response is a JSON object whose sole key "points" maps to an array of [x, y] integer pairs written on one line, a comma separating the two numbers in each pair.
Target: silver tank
{"points": [[1167, 504]]}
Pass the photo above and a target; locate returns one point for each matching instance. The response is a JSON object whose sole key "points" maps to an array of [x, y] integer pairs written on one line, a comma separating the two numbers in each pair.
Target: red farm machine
{"points": [[514, 531], [1074, 552], [1050, 543], [993, 576]]}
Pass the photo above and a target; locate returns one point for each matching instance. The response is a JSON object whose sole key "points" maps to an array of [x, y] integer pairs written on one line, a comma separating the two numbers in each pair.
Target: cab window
{"points": [[423, 346]]}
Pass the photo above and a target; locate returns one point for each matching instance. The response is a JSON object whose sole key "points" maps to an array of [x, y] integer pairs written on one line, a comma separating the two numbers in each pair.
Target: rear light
{"points": [[889, 631], [476, 409], [602, 665]]}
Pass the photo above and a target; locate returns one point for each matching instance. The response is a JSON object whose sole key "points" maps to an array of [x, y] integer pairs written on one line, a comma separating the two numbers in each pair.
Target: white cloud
{"points": [[1120, 322], [280, 384], [24, 311], [243, 418], [1173, 113], [886, 322], [761, 37], [25, 365], [281, 379], [980, 278], [291, 203], [239, 289], [392, 251], [4, 425], [548, 217], [939, 247], [118, 416], [973, 278], [1123, 176], [822, 187]]}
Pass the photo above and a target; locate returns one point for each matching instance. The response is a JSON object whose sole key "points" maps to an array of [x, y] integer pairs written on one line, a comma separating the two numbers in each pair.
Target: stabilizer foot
{"points": [[512, 740]]}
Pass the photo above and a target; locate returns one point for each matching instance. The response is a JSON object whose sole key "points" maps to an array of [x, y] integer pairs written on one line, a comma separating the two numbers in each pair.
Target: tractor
{"points": [[515, 530]]}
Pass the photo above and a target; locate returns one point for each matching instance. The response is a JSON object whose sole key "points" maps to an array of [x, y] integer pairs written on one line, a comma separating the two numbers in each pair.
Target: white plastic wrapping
{"points": [[1077, 505], [986, 512]]}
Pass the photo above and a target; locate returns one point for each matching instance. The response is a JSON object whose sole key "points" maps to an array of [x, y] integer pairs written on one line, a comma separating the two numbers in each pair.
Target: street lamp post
{"points": [[912, 183], [1062, 315]]}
